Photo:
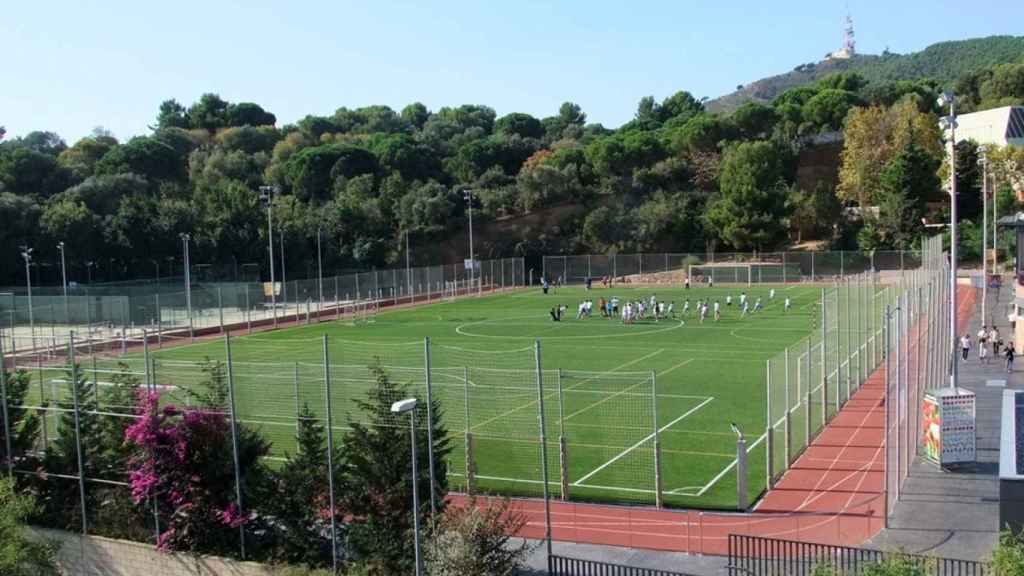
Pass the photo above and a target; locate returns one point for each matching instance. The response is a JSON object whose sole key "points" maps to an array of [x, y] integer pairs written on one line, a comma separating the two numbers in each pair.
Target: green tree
{"points": [[827, 110], [23, 424], [905, 184], [301, 503], [477, 539], [378, 478], [1008, 554], [209, 113], [171, 115], [21, 553], [812, 213], [750, 211], [521, 124], [249, 114]]}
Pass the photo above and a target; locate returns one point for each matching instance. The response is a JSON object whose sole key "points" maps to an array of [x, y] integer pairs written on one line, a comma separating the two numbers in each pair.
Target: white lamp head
{"points": [[403, 406], [946, 98]]}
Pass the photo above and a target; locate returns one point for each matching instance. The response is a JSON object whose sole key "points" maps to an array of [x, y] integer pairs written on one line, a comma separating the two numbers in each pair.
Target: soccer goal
{"points": [[743, 272]]}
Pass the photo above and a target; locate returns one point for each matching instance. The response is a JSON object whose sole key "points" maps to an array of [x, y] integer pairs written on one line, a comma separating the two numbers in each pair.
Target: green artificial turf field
{"points": [[597, 386]]}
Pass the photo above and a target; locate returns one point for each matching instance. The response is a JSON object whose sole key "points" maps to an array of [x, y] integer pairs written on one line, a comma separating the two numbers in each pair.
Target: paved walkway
{"points": [[956, 514]]}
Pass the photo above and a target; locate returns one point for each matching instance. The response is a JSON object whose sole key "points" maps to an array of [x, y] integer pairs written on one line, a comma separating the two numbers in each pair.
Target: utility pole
{"points": [[188, 281], [64, 281], [983, 161]]}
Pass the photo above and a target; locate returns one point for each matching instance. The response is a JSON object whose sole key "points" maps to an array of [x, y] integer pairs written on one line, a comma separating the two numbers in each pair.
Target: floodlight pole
{"points": [[983, 161], [408, 270], [185, 237], [64, 280], [267, 194], [472, 261], [26, 253], [319, 273], [949, 99]]}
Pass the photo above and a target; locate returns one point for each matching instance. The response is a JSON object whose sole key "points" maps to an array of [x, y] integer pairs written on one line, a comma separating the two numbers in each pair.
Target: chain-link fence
{"points": [[124, 310], [723, 267], [861, 324]]}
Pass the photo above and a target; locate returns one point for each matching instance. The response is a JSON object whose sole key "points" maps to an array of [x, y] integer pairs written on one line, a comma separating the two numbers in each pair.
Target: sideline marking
{"points": [[648, 437]]}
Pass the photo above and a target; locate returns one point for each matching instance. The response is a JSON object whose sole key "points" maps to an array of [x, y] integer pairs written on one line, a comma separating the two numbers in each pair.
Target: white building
{"points": [[999, 126]]}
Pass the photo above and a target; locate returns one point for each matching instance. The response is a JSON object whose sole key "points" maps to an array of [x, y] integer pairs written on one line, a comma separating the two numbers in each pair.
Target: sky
{"points": [[69, 66]]}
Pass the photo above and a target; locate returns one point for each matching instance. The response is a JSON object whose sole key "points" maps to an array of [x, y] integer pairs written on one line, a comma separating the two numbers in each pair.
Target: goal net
{"points": [[744, 272]]}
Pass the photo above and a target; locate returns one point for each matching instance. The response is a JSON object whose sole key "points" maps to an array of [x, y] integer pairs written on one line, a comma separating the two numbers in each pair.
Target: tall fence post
{"points": [[807, 398], [786, 423], [159, 321], [330, 457], [234, 442], [838, 351], [769, 444], [885, 455], [470, 465], [658, 502], [741, 475], [220, 307], [78, 432], [295, 393], [563, 455], [543, 446], [824, 358], [430, 425], [8, 454], [900, 386], [849, 337]]}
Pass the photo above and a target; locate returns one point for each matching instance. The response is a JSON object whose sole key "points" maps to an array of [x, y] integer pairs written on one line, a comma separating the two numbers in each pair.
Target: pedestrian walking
{"points": [[965, 345], [1009, 357]]}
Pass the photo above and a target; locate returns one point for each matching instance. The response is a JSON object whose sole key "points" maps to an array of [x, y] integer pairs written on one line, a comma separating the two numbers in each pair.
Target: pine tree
{"points": [[378, 476], [59, 497], [301, 503], [23, 425]]}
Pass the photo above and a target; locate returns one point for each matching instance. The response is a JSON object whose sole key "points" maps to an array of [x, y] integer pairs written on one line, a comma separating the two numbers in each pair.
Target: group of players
{"points": [[629, 311]]}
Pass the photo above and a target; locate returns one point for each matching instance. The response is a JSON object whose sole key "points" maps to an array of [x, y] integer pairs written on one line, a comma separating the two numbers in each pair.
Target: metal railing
{"points": [[565, 566], [759, 556]]}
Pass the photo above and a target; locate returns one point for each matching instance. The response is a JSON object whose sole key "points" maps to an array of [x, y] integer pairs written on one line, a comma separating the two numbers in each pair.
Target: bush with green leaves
{"points": [[22, 554], [477, 538]]}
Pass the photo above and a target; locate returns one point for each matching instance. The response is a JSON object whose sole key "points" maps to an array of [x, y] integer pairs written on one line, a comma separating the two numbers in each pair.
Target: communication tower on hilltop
{"points": [[849, 48]]}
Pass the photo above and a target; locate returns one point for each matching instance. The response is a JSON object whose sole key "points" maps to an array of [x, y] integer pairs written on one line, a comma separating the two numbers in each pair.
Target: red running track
{"points": [[833, 494]]}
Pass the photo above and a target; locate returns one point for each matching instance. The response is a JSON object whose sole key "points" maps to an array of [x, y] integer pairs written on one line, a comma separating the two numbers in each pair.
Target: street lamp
{"points": [[267, 194], [468, 195], [983, 162], [26, 253], [949, 123], [188, 282], [401, 407], [64, 281]]}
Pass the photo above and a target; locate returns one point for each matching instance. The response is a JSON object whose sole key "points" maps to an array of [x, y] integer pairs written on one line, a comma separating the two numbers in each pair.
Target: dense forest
{"points": [[676, 177]]}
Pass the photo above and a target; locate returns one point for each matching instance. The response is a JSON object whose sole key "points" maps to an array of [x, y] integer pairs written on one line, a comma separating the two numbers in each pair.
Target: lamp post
{"points": [[983, 162], [26, 253], [64, 281], [185, 237], [401, 407], [267, 194], [468, 194], [949, 123], [408, 270]]}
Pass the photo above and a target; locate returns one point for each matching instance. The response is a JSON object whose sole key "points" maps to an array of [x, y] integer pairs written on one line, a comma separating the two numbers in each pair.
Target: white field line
{"points": [[625, 390], [645, 439], [580, 383], [730, 466]]}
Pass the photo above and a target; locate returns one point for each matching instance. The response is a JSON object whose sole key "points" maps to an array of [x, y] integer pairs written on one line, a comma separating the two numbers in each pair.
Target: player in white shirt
{"points": [[771, 294], [743, 298], [728, 299], [703, 312], [757, 305], [661, 310], [787, 305], [746, 309], [672, 309], [686, 307], [718, 312], [581, 310]]}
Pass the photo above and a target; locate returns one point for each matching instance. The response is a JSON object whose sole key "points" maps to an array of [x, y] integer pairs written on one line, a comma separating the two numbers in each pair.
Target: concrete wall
{"points": [[97, 556]]}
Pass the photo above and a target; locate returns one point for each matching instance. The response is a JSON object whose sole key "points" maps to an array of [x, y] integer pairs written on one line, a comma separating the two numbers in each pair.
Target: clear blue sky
{"points": [[70, 65]]}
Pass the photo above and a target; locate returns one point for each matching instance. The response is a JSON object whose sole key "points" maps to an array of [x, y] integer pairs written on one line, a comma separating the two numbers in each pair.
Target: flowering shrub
{"points": [[183, 463]]}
